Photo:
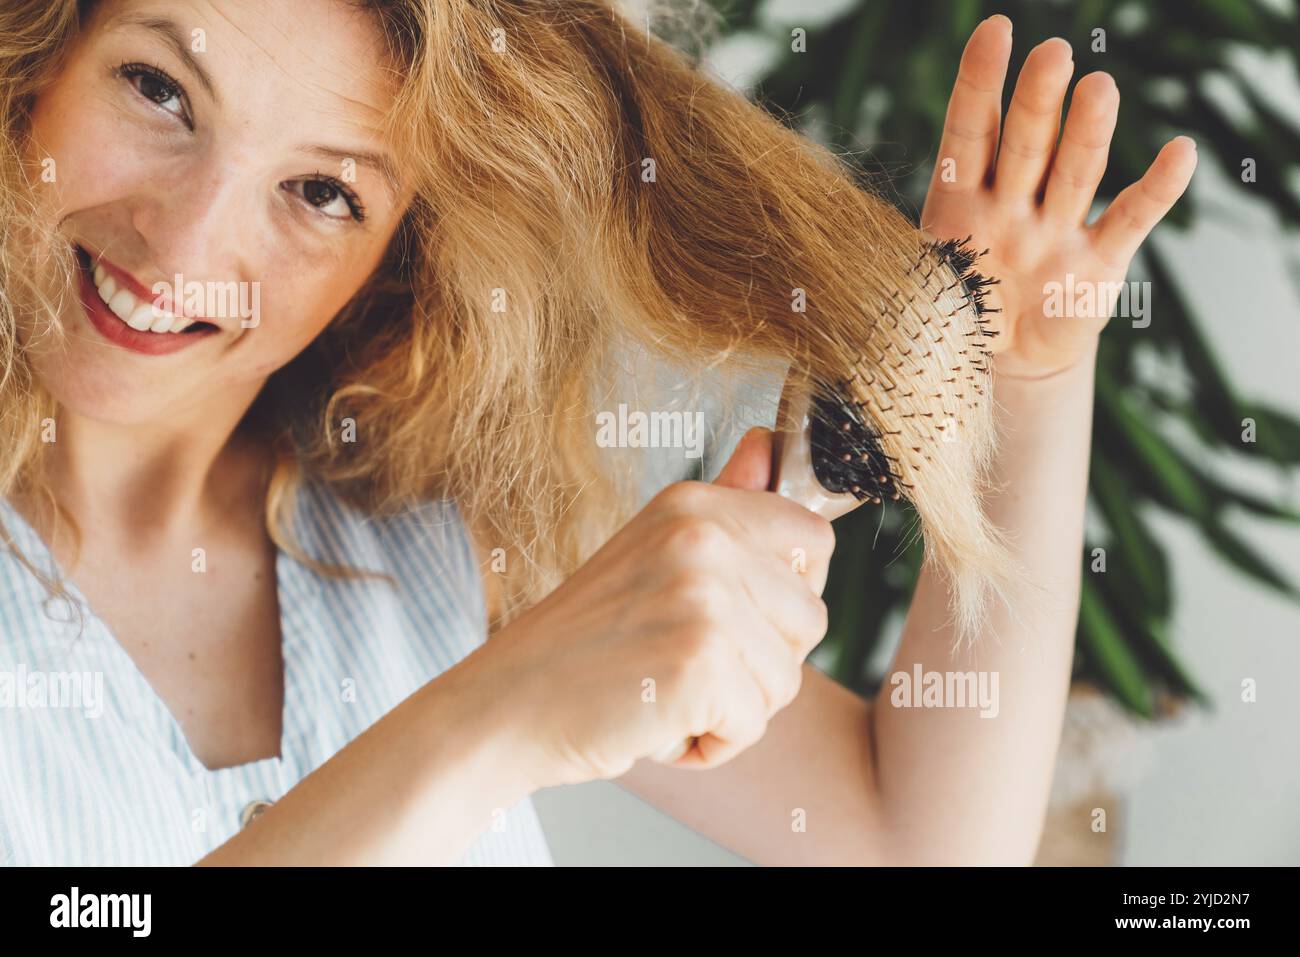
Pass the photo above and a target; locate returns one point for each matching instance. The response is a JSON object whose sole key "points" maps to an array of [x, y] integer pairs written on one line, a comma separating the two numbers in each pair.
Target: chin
{"points": [[97, 391], [97, 381]]}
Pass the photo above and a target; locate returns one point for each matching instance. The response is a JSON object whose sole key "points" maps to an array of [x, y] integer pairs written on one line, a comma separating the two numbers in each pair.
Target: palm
{"points": [[1025, 197]]}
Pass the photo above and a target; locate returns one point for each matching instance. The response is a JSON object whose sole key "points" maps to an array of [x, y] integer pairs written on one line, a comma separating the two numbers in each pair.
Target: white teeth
{"points": [[142, 316], [122, 304], [158, 320]]}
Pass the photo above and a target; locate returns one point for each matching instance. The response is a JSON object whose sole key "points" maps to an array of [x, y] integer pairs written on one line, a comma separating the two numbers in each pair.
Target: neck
{"points": [[141, 483]]}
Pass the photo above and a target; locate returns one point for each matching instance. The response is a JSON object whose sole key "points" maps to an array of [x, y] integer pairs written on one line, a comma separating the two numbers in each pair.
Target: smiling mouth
{"points": [[135, 313], [114, 309]]}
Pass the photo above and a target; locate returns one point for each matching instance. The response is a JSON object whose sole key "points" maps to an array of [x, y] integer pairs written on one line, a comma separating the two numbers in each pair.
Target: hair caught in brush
{"points": [[912, 419]]}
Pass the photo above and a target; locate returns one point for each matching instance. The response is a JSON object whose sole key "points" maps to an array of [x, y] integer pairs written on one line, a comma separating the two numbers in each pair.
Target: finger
{"points": [[750, 465], [750, 468], [773, 662], [733, 698], [1034, 120], [742, 720], [792, 609], [794, 540], [1081, 157], [1135, 211], [970, 129], [764, 523]]}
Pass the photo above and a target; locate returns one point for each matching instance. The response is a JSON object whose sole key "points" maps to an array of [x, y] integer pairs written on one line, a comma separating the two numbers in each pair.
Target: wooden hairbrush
{"points": [[864, 437]]}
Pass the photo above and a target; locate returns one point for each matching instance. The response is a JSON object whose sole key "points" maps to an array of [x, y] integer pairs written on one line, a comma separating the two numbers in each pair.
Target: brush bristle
{"points": [[847, 456]]}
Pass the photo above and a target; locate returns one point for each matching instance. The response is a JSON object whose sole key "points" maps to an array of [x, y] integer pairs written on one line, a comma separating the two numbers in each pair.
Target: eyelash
{"points": [[357, 207], [132, 71]]}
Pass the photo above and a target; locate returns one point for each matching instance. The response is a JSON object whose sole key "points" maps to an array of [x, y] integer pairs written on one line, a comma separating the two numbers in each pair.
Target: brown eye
{"points": [[152, 88], [157, 88], [320, 194], [330, 197]]}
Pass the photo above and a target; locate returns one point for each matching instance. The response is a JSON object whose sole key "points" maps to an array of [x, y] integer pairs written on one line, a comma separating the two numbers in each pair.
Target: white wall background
{"points": [[1217, 788]]}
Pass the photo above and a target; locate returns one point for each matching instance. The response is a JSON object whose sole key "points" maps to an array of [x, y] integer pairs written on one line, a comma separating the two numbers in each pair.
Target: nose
{"points": [[198, 222]]}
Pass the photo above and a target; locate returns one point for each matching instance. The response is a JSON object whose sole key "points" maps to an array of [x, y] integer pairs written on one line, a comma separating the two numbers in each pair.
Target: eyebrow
{"points": [[379, 162], [171, 34]]}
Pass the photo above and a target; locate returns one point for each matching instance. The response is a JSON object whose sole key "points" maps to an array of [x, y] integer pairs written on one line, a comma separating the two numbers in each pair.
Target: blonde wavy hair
{"points": [[582, 188]]}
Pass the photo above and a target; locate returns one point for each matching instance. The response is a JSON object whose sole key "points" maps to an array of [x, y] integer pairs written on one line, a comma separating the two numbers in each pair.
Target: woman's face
{"points": [[222, 162]]}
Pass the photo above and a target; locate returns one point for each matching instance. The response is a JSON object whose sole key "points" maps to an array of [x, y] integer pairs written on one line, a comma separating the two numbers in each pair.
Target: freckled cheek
{"points": [[83, 154]]}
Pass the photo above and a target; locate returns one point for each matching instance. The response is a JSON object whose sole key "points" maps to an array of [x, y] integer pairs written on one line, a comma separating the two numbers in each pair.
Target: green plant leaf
{"points": [[1277, 434], [1215, 397], [1157, 641], [1145, 633], [1115, 662], [1244, 558], [1161, 462], [1226, 18], [853, 78], [1253, 503], [1136, 556]]}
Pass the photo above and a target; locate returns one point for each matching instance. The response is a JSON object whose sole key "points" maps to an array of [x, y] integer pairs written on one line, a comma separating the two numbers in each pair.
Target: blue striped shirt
{"points": [[95, 770]]}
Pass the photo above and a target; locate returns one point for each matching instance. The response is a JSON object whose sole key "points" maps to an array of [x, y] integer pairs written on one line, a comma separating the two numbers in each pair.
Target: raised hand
{"points": [[1027, 197]]}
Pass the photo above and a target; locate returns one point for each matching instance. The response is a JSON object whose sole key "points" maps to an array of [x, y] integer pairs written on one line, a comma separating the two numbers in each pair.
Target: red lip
{"points": [[119, 333], [138, 289]]}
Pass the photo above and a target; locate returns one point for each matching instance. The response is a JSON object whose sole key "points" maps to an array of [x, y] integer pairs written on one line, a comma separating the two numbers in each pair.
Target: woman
{"points": [[260, 520]]}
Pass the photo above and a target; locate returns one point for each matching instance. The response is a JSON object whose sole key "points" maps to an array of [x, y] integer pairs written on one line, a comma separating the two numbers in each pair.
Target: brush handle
{"points": [[792, 477], [792, 465]]}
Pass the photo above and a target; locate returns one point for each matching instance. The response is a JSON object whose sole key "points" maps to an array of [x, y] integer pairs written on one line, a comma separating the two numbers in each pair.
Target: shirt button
{"points": [[252, 812]]}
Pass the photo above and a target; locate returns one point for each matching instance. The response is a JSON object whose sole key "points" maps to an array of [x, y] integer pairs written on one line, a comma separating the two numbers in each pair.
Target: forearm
{"points": [[416, 788], [956, 787]]}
